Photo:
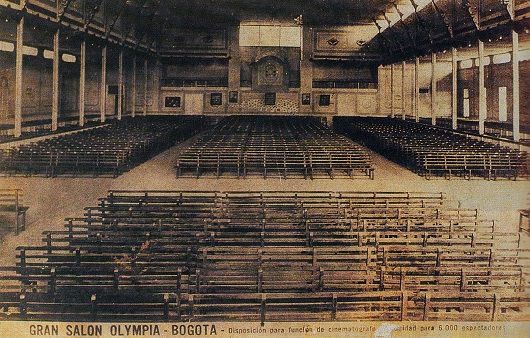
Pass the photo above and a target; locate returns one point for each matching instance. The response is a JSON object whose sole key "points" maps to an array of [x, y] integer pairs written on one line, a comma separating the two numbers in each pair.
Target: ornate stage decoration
{"points": [[270, 74]]}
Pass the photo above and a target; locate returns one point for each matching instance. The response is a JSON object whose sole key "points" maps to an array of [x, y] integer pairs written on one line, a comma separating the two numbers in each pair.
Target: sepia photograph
{"points": [[265, 168]]}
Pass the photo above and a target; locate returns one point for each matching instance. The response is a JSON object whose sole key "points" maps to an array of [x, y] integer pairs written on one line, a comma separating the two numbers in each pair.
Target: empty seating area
{"points": [[432, 151], [273, 146], [269, 256], [107, 150]]}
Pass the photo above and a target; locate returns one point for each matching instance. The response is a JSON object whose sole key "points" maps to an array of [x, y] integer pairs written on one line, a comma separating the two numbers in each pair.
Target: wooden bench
{"points": [[11, 202]]}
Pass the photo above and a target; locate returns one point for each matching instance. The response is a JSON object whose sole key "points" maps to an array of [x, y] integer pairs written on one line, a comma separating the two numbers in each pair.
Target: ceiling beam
{"points": [[384, 39], [396, 37], [62, 6], [445, 19], [91, 8]]}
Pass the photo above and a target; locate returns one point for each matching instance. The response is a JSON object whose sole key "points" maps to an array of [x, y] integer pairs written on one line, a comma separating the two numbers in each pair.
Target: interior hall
{"points": [[262, 161]]}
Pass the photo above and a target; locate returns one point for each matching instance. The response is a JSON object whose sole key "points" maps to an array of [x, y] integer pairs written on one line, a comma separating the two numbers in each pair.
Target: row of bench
{"points": [[107, 150], [161, 255], [302, 306], [285, 146], [432, 151]]}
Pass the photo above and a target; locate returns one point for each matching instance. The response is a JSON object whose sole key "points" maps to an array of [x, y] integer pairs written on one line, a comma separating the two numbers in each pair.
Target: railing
{"points": [[220, 82], [351, 84]]}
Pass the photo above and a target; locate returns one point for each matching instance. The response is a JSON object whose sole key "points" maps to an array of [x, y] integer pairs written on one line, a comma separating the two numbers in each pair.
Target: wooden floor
{"points": [[51, 200]]}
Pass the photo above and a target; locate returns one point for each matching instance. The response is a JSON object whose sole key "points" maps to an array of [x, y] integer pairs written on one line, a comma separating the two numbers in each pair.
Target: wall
{"points": [[36, 88], [7, 88], [299, 96], [393, 100], [496, 75], [444, 86], [148, 99], [524, 68], [252, 102]]}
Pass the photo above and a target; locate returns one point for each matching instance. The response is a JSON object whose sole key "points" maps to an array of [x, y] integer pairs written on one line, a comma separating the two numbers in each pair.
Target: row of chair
{"points": [[432, 151], [107, 150], [192, 255], [285, 146]]}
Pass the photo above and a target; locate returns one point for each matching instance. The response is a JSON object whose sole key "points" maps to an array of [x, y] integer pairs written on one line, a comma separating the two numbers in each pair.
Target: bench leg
{"points": [[23, 220], [17, 223]]}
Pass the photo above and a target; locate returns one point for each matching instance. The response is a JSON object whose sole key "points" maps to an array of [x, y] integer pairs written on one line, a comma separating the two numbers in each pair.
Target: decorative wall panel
{"points": [[325, 109], [366, 104], [214, 42], [270, 74], [343, 43], [255, 103], [172, 101]]}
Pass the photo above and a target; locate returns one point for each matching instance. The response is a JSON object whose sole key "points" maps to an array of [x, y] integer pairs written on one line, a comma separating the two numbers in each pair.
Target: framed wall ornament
{"points": [[172, 102], [216, 99], [324, 100], [306, 99], [233, 96], [270, 99]]}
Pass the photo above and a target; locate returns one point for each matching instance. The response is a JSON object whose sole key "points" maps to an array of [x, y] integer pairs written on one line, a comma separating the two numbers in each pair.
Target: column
{"points": [[403, 90], [133, 98], [306, 70], [481, 89], [82, 84], [103, 89], [416, 89], [156, 93], [55, 81], [234, 70], [120, 84], [145, 87], [454, 89], [515, 85], [392, 90], [433, 89], [19, 55]]}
